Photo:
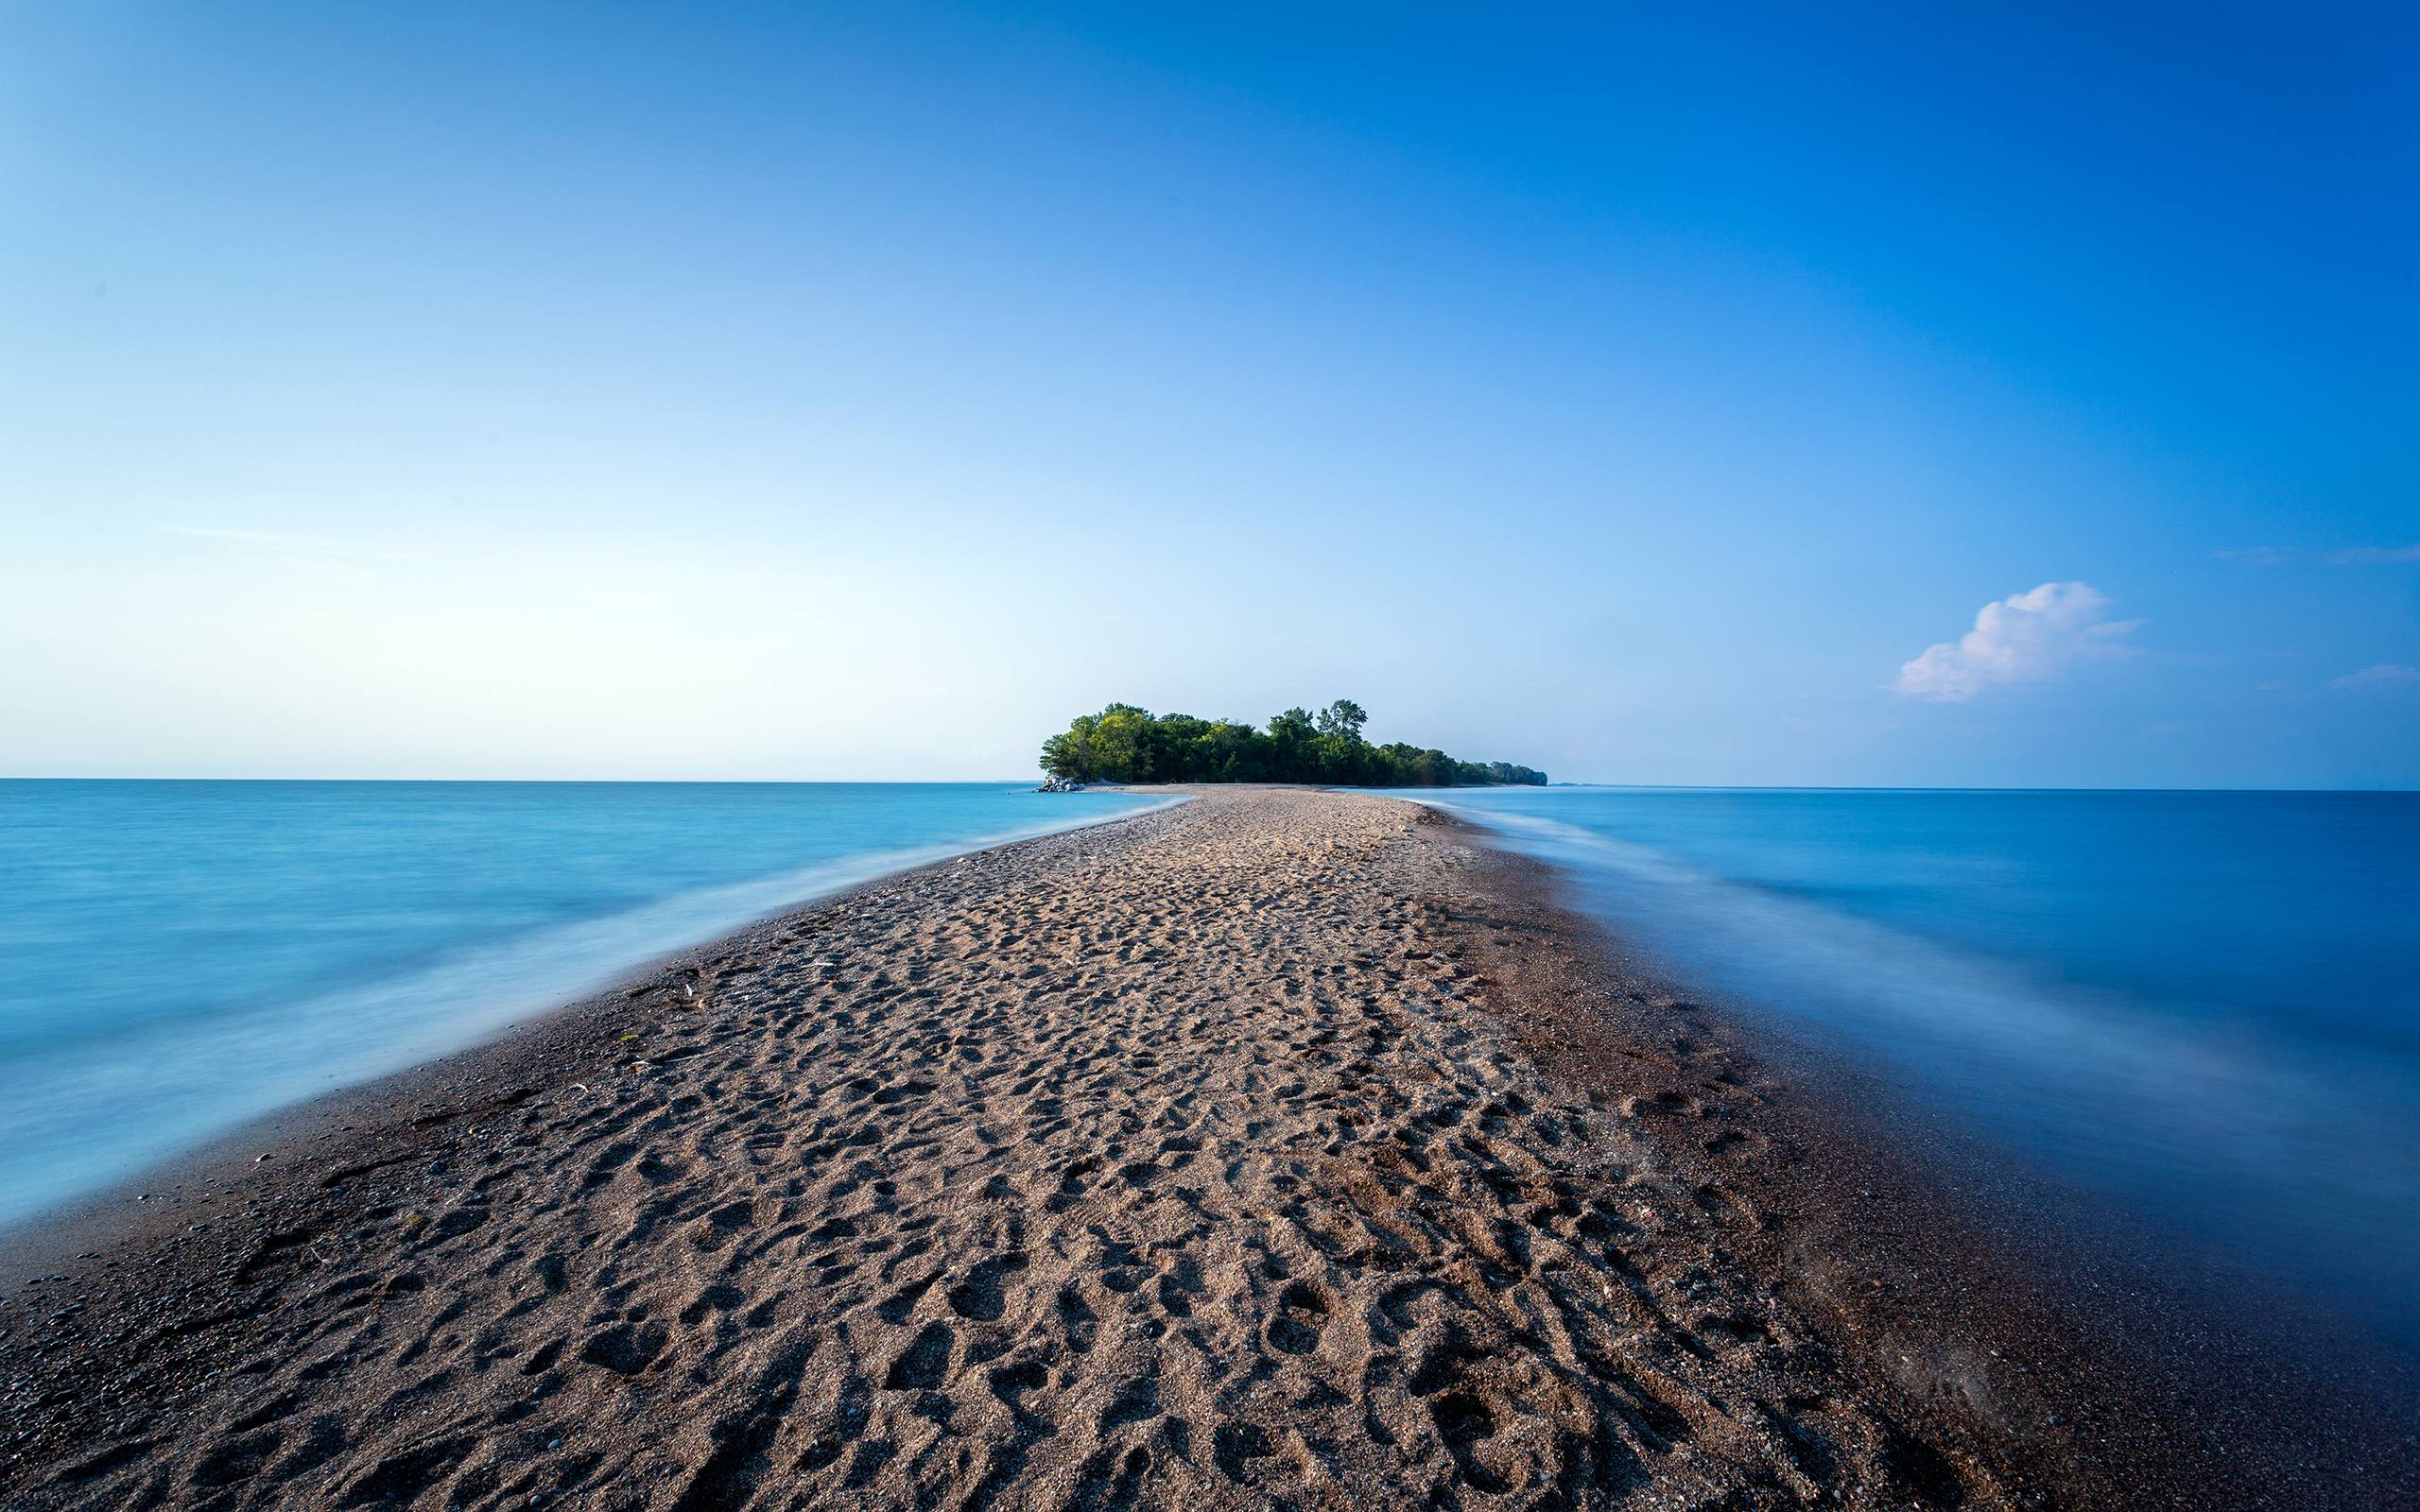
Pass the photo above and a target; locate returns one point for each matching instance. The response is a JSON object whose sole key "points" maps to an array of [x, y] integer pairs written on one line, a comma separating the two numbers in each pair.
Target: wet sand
{"points": [[1281, 1149]]}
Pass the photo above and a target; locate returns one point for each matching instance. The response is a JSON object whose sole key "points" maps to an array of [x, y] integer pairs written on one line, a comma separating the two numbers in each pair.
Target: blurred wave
{"points": [[2199, 1005], [179, 957]]}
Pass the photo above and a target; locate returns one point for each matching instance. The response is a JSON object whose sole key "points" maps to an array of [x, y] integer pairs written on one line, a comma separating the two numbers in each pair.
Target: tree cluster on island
{"points": [[1124, 743]]}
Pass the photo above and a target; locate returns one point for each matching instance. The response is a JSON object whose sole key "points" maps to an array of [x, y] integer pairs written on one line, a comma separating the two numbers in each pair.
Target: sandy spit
{"points": [[1268, 1151]]}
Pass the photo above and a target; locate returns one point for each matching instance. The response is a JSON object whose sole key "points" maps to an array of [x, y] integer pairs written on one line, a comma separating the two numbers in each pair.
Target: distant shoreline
{"points": [[433, 1192]]}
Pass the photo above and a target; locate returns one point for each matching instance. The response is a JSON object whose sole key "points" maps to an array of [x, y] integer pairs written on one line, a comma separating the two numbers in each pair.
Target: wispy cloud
{"points": [[2385, 675], [2022, 638], [2367, 556], [2342, 556], [256, 538], [299, 545]]}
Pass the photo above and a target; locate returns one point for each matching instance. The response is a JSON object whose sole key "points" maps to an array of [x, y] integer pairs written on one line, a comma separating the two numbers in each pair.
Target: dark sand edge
{"points": [[2066, 1363], [364, 1124]]}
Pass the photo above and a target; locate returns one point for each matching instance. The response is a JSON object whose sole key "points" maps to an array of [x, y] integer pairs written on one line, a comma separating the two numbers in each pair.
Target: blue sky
{"points": [[837, 391]]}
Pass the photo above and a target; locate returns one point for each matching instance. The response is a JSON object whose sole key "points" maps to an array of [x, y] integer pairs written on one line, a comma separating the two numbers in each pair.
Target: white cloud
{"points": [[2385, 675], [2022, 638]]}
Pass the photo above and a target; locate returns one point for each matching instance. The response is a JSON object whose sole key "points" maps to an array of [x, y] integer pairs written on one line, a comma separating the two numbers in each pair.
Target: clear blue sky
{"points": [[835, 392]]}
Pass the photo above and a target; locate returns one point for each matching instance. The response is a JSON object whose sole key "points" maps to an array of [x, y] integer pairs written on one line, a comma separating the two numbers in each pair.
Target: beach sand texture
{"points": [[1178, 1162]]}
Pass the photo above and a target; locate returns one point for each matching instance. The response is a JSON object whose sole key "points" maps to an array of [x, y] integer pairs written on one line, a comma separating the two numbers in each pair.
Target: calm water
{"points": [[2204, 1006], [177, 958]]}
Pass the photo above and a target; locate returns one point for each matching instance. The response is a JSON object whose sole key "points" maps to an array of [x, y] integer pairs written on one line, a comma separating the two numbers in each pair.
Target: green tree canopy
{"points": [[1126, 743]]}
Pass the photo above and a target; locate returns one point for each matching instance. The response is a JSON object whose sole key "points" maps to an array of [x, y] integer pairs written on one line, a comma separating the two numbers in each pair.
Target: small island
{"points": [[1127, 743]]}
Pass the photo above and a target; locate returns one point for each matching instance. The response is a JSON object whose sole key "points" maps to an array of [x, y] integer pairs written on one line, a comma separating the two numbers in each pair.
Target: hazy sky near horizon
{"points": [[1822, 395]]}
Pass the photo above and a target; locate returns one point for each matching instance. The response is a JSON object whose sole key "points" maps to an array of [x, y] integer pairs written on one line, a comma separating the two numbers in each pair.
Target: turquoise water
{"points": [[2202, 1007], [177, 958]]}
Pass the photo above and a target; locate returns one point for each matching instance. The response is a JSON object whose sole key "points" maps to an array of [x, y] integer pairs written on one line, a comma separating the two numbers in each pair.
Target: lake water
{"points": [[176, 957], [2202, 1007]]}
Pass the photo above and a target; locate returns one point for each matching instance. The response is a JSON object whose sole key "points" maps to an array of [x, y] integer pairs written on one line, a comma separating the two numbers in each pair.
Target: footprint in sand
{"points": [[979, 1297], [1235, 1445], [924, 1364], [627, 1348], [1463, 1419], [1300, 1317]]}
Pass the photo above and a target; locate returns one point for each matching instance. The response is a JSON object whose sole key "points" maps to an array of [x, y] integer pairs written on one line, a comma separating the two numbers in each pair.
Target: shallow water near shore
{"points": [[176, 957], [2200, 1006]]}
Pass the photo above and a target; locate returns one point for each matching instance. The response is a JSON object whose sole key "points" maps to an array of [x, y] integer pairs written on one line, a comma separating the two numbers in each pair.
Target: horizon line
{"points": [[972, 781]]}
